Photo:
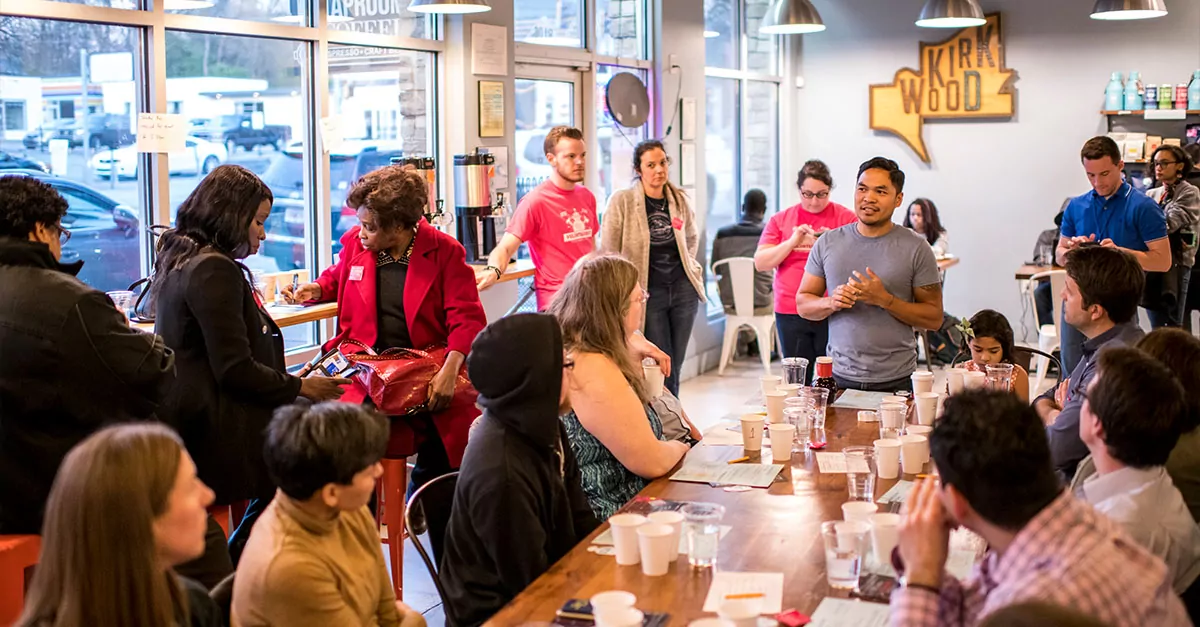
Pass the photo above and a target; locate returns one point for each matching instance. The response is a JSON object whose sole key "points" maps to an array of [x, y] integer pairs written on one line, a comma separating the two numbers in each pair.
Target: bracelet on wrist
{"points": [[498, 272]]}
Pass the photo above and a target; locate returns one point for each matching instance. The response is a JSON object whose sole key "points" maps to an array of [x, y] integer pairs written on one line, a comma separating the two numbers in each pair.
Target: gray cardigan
{"points": [[1183, 214], [625, 230]]}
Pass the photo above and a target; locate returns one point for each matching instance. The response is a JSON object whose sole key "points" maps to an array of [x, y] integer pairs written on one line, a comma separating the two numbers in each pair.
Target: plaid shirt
{"points": [[1068, 555]]}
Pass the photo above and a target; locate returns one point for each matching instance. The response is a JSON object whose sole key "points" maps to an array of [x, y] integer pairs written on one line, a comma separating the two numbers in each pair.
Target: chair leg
{"points": [[1042, 362], [391, 508], [765, 335], [727, 343]]}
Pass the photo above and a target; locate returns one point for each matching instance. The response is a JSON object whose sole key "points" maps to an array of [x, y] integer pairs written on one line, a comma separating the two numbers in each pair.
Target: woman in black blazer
{"points": [[228, 350]]}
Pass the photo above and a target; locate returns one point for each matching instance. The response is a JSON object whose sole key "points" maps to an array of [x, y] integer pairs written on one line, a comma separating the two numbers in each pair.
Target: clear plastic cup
{"points": [[999, 378], [703, 525], [860, 472], [795, 370], [124, 301], [845, 544], [820, 398]]}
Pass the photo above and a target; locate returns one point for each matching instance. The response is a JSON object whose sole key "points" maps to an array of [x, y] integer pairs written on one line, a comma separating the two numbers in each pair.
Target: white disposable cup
{"points": [[674, 520], [927, 406], [954, 379], [710, 622], [782, 437], [885, 534], [624, 617], [868, 416], [921, 430], [625, 538], [858, 511], [770, 383], [974, 380], [912, 453], [892, 415], [654, 380], [792, 390], [752, 432], [922, 382], [887, 458], [740, 612], [654, 543], [848, 533], [612, 600], [775, 406], [895, 399]]}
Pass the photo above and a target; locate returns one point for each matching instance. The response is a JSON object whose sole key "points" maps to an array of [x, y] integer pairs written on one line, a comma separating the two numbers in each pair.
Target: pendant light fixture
{"points": [[951, 14], [1128, 9], [791, 17], [449, 6]]}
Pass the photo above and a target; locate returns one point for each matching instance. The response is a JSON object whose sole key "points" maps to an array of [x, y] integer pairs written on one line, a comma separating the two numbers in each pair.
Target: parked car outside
{"points": [[234, 131], [101, 130], [13, 162], [198, 158]]}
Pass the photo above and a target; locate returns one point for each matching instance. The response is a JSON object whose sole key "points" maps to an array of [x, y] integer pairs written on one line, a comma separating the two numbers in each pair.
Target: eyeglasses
{"points": [[811, 195], [1163, 164], [643, 297], [64, 235]]}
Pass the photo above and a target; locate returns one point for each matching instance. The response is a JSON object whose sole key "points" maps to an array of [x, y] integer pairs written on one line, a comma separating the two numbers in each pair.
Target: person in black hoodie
{"points": [[69, 363], [519, 505]]}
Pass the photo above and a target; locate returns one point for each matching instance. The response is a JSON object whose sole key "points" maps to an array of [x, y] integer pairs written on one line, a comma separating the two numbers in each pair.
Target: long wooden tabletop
{"points": [[1024, 272], [774, 530]]}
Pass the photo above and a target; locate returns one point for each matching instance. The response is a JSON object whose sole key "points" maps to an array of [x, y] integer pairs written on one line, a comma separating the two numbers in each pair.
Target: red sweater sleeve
{"points": [[331, 279]]}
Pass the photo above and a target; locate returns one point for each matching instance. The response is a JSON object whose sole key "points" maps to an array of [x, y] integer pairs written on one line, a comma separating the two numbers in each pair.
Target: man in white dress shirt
{"points": [[1132, 415]]}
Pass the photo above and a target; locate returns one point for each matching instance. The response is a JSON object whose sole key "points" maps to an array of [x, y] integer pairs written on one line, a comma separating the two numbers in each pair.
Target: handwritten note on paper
{"points": [[857, 399], [331, 133], [849, 613], [770, 585], [161, 132], [898, 493], [835, 463], [753, 475]]}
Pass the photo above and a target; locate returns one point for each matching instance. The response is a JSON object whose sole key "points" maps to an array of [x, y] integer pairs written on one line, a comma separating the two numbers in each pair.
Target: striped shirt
{"points": [[1068, 555]]}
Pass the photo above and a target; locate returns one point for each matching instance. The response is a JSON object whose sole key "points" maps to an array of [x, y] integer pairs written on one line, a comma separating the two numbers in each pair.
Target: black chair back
{"points": [[432, 501], [222, 595]]}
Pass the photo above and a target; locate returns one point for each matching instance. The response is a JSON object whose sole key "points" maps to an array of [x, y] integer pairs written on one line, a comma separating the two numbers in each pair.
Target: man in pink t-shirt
{"points": [[784, 247], [556, 218]]}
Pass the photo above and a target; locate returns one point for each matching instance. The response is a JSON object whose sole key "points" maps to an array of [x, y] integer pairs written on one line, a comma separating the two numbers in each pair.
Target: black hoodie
{"points": [[519, 505]]}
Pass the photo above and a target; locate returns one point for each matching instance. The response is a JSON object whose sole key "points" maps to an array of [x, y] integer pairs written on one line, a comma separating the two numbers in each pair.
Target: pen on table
{"points": [[744, 595], [738, 460], [295, 284]]}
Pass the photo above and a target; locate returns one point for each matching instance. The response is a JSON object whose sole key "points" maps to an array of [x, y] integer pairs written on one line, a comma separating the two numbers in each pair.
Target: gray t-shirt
{"points": [[866, 343]]}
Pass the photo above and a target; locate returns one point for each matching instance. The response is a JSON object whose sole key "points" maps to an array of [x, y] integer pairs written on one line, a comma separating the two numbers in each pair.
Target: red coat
{"points": [[441, 305]]}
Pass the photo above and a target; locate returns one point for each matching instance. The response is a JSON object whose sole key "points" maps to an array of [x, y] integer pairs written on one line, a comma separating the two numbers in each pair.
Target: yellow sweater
{"points": [[298, 570]]}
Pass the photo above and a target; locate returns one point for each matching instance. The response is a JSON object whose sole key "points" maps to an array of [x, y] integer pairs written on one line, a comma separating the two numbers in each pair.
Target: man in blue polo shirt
{"points": [[1116, 216]]}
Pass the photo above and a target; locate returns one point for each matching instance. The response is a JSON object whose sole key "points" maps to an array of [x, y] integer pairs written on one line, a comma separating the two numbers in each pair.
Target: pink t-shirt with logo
{"points": [[790, 273], [560, 228]]}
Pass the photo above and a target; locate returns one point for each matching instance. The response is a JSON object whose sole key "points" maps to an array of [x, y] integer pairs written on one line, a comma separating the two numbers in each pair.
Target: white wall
{"points": [[997, 184]]}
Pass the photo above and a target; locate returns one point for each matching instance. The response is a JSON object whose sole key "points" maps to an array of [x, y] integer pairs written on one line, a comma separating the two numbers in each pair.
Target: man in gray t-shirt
{"points": [[881, 281]]}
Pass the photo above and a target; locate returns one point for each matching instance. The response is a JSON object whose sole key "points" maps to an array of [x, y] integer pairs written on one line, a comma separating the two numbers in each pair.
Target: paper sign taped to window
{"points": [[161, 132], [331, 133]]}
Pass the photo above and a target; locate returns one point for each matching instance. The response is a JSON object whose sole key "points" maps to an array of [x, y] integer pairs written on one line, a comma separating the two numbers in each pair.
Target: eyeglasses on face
{"points": [[64, 235], [1162, 164], [811, 195], [642, 297]]}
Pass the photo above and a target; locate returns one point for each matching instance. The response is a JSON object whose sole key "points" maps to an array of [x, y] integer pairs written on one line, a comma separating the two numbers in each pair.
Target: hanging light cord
{"points": [[678, 91]]}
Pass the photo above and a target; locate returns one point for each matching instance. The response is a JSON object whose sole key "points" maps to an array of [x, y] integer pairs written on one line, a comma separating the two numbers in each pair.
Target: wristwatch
{"points": [[905, 583], [496, 270]]}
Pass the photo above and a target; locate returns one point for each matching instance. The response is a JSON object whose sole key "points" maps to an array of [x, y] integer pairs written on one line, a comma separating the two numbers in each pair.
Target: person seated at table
{"points": [[400, 283], [1043, 255], [997, 480], [126, 509], [314, 557], [1179, 351], [741, 240], [518, 506], [1103, 286], [69, 362], [990, 340], [922, 217], [1131, 418], [614, 434]]}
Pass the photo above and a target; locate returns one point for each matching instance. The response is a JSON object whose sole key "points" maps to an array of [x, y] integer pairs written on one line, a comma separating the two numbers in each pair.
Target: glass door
{"points": [[545, 97]]}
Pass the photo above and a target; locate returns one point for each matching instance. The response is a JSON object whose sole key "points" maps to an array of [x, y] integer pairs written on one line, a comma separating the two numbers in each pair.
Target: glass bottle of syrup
{"points": [[824, 378]]}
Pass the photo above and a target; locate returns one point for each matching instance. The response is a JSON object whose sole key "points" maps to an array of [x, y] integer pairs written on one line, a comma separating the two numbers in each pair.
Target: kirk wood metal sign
{"points": [[963, 77]]}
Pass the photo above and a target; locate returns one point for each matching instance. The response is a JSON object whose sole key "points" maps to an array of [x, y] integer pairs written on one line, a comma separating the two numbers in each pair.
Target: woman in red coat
{"points": [[400, 283]]}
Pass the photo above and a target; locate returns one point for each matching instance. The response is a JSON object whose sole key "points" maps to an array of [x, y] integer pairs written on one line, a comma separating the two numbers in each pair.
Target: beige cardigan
{"points": [[625, 230]]}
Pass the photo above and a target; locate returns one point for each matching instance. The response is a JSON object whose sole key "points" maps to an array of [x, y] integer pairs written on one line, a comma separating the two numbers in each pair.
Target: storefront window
{"points": [[721, 34], [621, 28], [540, 106], [762, 50], [282, 11], [68, 94], [549, 22], [760, 141], [721, 150], [382, 17]]}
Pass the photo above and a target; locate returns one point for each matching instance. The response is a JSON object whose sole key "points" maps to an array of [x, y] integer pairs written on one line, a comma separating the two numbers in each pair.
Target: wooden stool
{"points": [[17, 553], [389, 510]]}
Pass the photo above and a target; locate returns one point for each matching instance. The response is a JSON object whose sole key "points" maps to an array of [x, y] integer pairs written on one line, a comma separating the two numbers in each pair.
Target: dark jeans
{"points": [[1175, 316], [214, 565], [802, 338], [1045, 303], [670, 314], [432, 459], [1192, 300], [886, 386]]}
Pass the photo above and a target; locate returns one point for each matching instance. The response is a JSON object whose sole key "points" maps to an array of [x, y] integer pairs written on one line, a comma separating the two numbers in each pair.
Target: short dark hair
{"points": [[1179, 351], [1139, 403], [993, 324], [887, 165], [396, 196], [26, 202], [754, 203], [1099, 148], [311, 446], [993, 449], [1107, 277], [1180, 155], [814, 169], [558, 133]]}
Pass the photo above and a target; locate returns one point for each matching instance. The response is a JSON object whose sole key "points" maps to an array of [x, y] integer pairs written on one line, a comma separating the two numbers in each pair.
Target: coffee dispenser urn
{"points": [[427, 168], [475, 215]]}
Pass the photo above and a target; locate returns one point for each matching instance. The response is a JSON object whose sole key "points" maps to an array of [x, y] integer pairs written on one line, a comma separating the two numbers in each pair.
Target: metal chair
{"points": [[439, 491], [222, 595], [741, 274], [1049, 334]]}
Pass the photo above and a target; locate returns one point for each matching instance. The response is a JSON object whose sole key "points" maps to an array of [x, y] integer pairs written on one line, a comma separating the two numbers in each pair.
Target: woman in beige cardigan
{"points": [[652, 225]]}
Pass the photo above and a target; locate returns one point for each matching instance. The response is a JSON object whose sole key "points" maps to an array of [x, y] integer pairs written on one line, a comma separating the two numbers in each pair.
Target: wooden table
{"points": [[1028, 270], [774, 530]]}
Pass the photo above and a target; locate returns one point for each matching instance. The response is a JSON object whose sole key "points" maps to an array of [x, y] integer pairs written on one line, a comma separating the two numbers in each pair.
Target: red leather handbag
{"points": [[397, 380]]}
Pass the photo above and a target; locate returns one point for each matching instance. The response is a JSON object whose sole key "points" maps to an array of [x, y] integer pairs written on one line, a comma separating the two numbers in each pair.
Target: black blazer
{"points": [[231, 373]]}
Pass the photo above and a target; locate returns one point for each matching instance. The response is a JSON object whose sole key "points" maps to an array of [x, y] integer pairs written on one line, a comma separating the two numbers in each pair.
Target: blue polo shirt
{"points": [[1129, 218]]}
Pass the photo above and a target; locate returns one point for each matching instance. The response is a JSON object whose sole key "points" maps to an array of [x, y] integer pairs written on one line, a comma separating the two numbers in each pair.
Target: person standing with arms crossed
{"points": [[1115, 215], [785, 246], [886, 281]]}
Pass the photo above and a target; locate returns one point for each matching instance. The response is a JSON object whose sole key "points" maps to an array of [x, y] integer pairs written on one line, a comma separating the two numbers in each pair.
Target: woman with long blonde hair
{"points": [[126, 507], [614, 434]]}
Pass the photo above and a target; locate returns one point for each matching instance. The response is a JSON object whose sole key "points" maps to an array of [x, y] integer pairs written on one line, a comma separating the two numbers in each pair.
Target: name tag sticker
{"points": [[356, 273]]}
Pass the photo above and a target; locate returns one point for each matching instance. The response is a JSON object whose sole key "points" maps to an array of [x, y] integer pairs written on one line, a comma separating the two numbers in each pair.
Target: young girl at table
{"points": [[990, 340]]}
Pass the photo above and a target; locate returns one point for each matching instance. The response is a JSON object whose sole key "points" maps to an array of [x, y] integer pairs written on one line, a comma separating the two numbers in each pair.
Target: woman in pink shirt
{"points": [[786, 241]]}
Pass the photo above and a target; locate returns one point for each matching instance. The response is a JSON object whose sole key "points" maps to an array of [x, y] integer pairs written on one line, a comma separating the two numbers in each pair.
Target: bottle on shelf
{"points": [[1151, 100], [1194, 92], [1133, 92], [1166, 97], [1114, 94], [825, 377], [1181, 99]]}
